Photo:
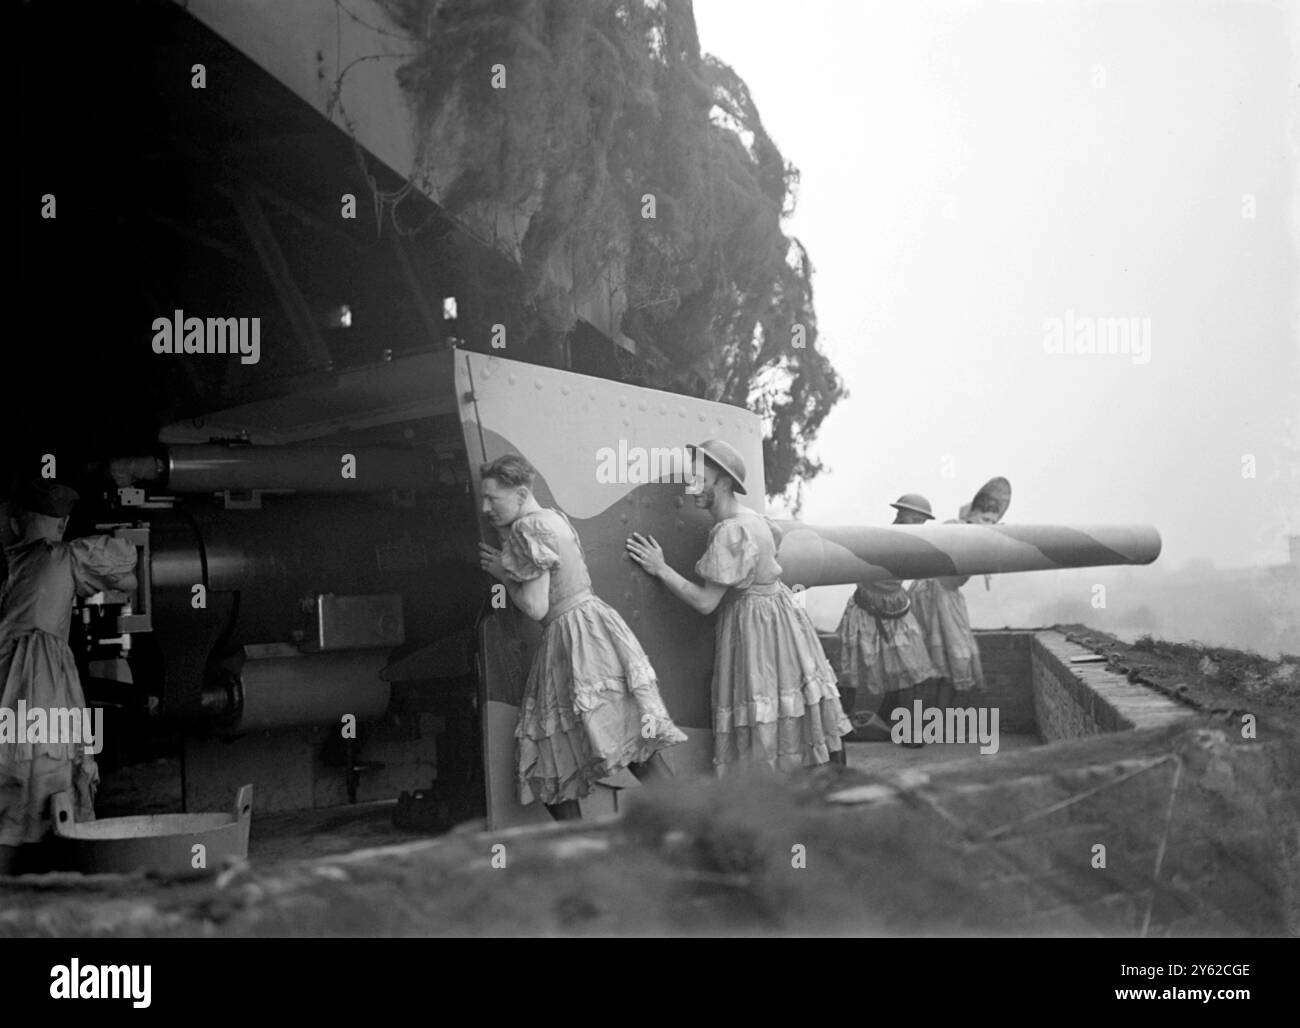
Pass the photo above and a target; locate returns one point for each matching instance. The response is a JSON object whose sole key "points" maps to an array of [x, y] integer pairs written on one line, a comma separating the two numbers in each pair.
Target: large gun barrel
{"points": [[839, 556], [312, 469]]}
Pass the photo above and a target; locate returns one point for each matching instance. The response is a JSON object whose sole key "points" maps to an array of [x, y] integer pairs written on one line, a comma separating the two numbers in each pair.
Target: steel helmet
{"points": [[727, 457], [914, 502]]}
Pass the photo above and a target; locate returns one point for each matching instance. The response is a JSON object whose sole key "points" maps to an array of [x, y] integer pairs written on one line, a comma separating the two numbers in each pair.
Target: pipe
{"points": [[248, 693], [316, 469], [841, 556]]}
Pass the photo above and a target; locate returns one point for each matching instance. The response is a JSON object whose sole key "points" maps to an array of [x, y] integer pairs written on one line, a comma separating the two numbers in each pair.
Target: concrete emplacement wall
{"points": [[1043, 684]]}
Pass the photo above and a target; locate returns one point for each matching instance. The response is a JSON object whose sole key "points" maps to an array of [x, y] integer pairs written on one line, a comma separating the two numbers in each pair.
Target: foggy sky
{"points": [[971, 170]]}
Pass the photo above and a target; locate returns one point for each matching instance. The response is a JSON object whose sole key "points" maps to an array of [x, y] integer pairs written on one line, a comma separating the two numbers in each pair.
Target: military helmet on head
{"points": [[725, 456], [914, 502]]}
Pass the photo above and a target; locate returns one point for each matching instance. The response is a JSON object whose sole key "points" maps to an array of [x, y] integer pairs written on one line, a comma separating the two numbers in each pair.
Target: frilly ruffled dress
{"points": [[774, 696], [941, 611], [37, 666], [591, 702], [882, 647]]}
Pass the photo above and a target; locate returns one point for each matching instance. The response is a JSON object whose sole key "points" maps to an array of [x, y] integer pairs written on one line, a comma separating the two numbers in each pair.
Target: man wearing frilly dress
{"points": [[37, 668]]}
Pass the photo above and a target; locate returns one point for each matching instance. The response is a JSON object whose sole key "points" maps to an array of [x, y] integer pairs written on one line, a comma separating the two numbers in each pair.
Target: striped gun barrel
{"points": [[812, 556]]}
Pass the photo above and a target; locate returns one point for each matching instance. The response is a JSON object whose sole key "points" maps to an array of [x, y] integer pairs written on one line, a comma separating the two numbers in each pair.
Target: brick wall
{"points": [[1076, 700], [1058, 711], [1029, 678], [1004, 656]]}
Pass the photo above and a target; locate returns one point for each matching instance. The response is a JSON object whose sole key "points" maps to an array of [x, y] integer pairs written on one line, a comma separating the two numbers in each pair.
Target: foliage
{"points": [[608, 101]]}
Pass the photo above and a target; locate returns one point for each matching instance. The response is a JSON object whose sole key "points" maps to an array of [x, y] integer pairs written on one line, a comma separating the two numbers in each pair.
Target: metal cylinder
{"points": [[182, 558], [317, 469], [812, 556], [253, 693], [265, 567]]}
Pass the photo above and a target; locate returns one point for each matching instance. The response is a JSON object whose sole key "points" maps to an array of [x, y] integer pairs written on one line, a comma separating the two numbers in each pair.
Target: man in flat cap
{"points": [[883, 656], [37, 668]]}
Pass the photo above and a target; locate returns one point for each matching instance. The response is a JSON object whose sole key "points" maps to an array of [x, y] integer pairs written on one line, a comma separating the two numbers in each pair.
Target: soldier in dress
{"points": [[37, 668], [941, 608], [591, 702], [884, 661], [775, 702]]}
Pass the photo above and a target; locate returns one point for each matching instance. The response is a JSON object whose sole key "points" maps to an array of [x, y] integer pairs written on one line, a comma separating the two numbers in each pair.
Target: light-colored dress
{"points": [[941, 610], [37, 667], [882, 647], [774, 696], [591, 703]]}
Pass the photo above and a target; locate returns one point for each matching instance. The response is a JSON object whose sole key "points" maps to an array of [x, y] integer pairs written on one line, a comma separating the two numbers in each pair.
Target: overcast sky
{"points": [[972, 170]]}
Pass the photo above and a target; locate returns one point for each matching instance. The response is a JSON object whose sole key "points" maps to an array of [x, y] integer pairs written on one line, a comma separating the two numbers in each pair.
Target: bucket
{"points": [[176, 844]]}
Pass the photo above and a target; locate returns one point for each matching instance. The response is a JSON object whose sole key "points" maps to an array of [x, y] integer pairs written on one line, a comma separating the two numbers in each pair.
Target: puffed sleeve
{"points": [[100, 562], [732, 553], [529, 549]]}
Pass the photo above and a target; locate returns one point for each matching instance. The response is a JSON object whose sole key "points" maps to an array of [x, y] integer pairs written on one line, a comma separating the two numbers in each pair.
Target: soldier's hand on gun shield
{"points": [[648, 553], [489, 559]]}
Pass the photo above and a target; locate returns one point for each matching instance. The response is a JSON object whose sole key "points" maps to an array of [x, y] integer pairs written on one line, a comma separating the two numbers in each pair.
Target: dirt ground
{"points": [[1200, 830]]}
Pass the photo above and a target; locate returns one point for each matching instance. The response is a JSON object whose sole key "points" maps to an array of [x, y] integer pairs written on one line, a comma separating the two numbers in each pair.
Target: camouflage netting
{"points": [[606, 102]]}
